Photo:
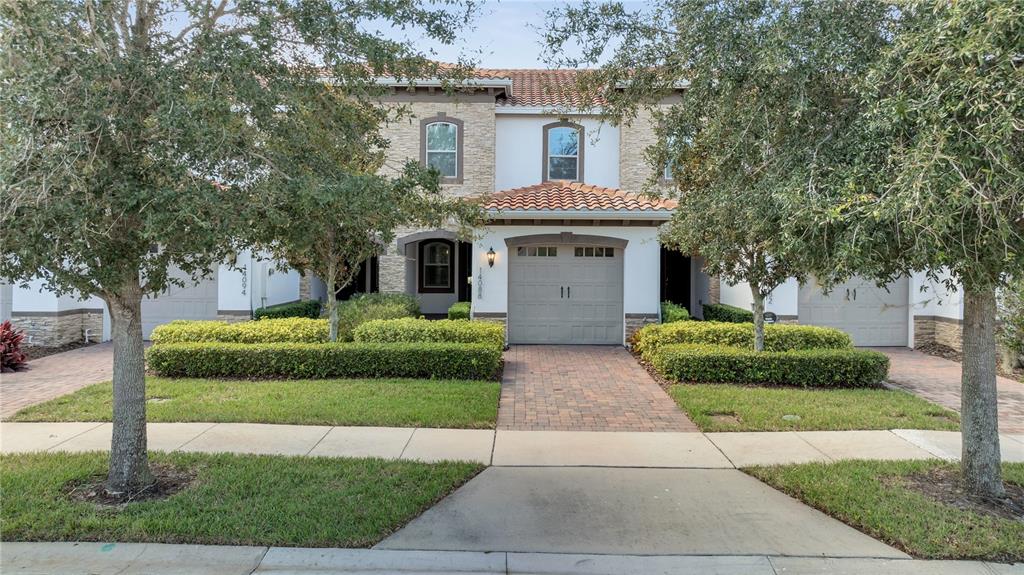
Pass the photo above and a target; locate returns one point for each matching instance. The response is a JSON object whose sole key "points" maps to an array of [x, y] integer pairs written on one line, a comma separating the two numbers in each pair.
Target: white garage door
{"points": [[190, 302], [870, 314], [565, 293]]}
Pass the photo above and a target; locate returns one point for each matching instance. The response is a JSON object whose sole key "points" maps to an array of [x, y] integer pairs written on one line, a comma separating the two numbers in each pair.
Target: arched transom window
{"points": [[441, 147], [563, 152]]}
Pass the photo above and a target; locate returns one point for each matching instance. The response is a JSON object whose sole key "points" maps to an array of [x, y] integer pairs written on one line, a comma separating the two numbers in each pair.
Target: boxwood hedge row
{"points": [[804, 367], [293, 329], [423, 330], [325, 360], [777, 337]]}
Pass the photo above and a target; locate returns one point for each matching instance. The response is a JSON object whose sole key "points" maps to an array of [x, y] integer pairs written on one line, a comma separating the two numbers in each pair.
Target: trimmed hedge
{"points": [[803, 368], [727, 313], [361, 308], [294, 329], [325, 360], [425, 330], [459, 310], [777, 337], [310, 309], [671, 312]]}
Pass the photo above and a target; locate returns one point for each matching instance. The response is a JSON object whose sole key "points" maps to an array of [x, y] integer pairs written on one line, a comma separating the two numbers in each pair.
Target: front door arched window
{"points": [[437, 266]]}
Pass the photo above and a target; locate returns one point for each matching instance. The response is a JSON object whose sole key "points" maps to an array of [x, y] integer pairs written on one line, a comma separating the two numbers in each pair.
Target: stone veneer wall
{"points": [[477, 115], [54, 329], [936, 329], [634, 139], [234, 316], [714, 290], [635, 321]]}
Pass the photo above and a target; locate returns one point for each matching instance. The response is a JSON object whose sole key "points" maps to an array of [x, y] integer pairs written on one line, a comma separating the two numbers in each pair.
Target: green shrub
{"points": [[671, 312], [293, 329], [459, 310], [424, 330], [804, 368], [777, 337], [310, 309], [727, 313], [325, 360], [365, 307]]}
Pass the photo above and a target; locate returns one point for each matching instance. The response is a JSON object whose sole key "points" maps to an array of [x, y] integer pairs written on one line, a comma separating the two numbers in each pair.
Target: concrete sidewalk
{"points": [[512, 448], [157, 559]]}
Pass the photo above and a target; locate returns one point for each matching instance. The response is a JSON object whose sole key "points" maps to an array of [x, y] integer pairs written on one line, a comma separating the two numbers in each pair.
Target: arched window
{"points": [[441, 146], [437, 266], [563, 152]]}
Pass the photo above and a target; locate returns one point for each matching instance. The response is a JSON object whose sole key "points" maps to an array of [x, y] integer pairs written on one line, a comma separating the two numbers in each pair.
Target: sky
{"points": [[507, 34]]}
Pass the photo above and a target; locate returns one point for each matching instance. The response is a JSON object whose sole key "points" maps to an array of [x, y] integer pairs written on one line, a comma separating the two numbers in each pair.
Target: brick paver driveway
{"points": [[938, 380], [583, 388], [55, 375]]}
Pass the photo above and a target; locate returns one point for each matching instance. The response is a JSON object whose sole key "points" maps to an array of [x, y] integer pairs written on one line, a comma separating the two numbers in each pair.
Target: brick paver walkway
{"points": [[938, 380], [55, 375], [583, 388]]}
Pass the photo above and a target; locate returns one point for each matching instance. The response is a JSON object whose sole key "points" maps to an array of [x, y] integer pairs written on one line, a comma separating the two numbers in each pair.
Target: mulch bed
{"points": [[36, 351], [944, 485], [168, 480]]}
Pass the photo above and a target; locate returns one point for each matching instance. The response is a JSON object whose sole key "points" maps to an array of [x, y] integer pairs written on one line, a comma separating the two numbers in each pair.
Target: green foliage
{"points": [[294, 329], [362, 308], [727, 313], [671, 312], [1011, 316], [325, 360], [706, 363], [459, 310], [424, 330], [310, 309], [777, 337], [769, 99]]}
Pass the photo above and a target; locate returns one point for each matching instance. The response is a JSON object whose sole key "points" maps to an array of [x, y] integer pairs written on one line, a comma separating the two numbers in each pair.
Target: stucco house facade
{"points": [[569, 253]]}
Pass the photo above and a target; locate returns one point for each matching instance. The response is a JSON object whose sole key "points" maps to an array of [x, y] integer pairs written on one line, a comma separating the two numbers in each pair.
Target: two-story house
{"points": [[569, 253]]}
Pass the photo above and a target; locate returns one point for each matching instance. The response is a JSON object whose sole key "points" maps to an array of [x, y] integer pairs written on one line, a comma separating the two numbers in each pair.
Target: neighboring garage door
{"points": [[565, 293], [870, 314], [190, 302]]}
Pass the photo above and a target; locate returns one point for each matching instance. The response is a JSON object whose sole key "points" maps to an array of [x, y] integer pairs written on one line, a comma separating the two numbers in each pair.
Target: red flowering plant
{"points": [[11, 357]]}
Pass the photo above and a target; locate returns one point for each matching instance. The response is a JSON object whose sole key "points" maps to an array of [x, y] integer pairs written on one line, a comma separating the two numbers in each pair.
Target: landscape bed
{"points": [[231, 500], [878, 498], [361, 402]]}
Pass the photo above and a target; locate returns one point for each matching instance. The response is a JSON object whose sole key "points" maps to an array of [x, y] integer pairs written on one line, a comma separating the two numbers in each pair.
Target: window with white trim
{"points": [[563, 152]]}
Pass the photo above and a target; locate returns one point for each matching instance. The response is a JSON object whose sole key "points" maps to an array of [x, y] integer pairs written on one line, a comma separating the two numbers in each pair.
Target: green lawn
{"points": [[722, 407], [869, 496], [382, 402], [235, 500]]}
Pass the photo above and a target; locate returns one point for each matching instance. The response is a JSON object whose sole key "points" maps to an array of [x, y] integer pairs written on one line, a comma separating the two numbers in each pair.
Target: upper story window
{"points": [[670, 163], [563, 152], [441, 146]]}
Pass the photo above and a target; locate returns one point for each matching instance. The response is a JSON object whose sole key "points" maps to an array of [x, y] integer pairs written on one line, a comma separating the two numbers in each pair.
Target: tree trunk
{"points": [[980, 461], [758, 318], [332, 301], [129, 463]]}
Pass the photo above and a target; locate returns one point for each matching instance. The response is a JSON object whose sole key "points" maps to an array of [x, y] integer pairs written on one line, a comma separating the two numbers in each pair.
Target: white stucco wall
{"points": [[783, 300], [641, 266], [519, 151], [931, 297], [234, 285]]}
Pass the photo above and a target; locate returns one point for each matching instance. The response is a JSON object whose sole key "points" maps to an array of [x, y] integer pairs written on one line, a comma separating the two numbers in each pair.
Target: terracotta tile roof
{"points": [[534, 87], [574, 196]]}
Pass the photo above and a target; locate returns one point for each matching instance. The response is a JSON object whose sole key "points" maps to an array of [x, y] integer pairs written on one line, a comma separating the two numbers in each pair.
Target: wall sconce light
{"points": [[490, 257]]}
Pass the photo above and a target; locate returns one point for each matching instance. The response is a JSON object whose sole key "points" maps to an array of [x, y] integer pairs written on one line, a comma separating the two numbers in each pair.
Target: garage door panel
{"points": [[564, 298], [189, 302], [872, 315]]}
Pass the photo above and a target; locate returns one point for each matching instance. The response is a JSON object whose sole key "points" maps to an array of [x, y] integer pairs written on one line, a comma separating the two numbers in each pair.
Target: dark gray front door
{"points": [[565, 293]]}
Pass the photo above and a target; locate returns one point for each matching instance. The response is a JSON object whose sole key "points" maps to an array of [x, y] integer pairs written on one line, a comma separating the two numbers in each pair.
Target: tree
{"points": [[133, 132], [331, 209], [769, 96], [938, 184]]}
